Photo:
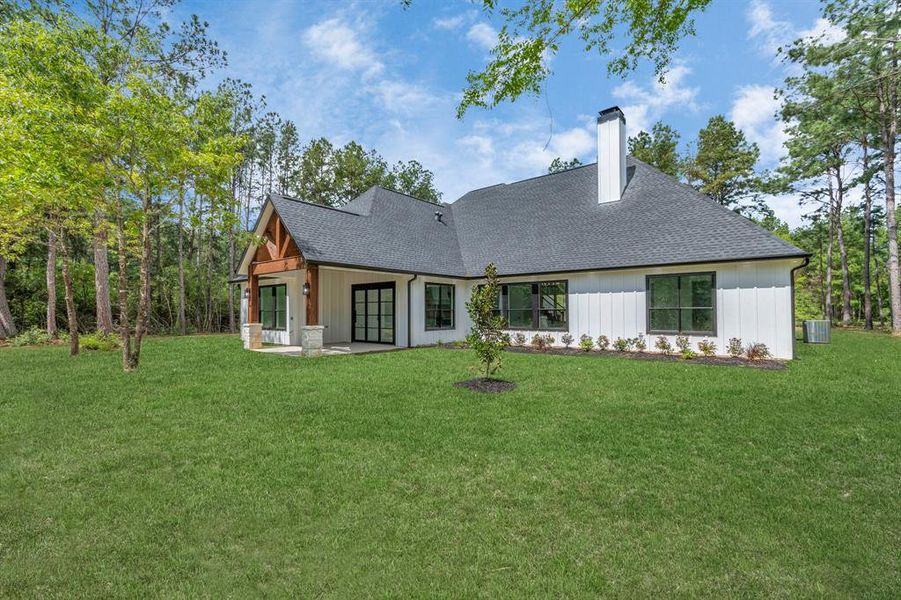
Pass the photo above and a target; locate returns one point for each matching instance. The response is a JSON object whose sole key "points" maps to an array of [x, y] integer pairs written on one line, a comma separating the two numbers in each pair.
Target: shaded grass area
{"points": [[214, 471]]}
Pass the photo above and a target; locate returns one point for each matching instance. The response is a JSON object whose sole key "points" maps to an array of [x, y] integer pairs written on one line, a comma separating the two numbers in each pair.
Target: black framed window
{"points": [[439, 306], [682, 303], [540, 305], [274, 307]]}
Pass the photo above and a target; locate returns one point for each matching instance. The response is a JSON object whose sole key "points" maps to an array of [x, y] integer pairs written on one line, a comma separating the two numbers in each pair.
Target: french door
{"points": [[373, 312]]}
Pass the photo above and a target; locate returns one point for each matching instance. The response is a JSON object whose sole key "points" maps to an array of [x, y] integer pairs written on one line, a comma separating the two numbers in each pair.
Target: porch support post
{"points": [[252, 333], [312, 299]]}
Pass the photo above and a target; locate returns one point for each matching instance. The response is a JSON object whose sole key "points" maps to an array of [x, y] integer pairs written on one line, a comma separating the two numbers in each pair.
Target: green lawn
{"points": [[214, 471]]}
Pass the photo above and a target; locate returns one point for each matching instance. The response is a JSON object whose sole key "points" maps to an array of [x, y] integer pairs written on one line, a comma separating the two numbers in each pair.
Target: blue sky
{"points": [[390, 78]]}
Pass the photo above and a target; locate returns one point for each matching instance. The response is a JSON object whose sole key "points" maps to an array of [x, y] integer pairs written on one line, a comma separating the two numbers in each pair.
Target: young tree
{"points": [[317, 173], [558, 164], [723, 166], [486, 335], [657, 148], [413, 179]]}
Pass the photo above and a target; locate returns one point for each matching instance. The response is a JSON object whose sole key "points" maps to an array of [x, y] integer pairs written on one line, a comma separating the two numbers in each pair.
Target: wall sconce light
{"points": [[247, 292], [306, 289]]}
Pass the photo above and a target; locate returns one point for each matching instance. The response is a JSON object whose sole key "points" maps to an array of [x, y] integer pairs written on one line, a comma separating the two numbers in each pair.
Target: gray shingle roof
{"points": [[551, 223]]}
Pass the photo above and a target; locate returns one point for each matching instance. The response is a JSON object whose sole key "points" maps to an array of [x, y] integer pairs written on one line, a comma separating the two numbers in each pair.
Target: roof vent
{"points": [[438, 215]]}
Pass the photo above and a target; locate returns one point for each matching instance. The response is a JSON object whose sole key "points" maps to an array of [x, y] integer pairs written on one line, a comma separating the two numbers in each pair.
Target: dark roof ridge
{"points": [[315, 204], [381, 187], [526, 179]]}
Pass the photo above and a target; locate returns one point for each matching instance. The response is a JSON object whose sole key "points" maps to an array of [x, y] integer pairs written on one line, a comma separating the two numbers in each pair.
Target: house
{"points": [[615, 248]]}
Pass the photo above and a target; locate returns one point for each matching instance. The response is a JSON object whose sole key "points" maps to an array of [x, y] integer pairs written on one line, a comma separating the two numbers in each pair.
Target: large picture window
{"points": [[538, 305], [682, 303], [274, 307], [439, 306]]}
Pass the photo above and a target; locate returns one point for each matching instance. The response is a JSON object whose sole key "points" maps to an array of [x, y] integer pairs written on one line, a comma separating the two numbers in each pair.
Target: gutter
{"points": [[801, 266], [410, 310]]}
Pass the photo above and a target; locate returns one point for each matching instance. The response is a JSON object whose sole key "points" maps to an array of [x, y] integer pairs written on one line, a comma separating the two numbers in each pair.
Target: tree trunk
{"points": [[124, 324], [182, 326], [104, 309], [842, 249], [51, 284], [7, 327], [879, 314], [229, 272], [828, 310], [144, 300], [867, 240], [71, 314], [888, 109]]}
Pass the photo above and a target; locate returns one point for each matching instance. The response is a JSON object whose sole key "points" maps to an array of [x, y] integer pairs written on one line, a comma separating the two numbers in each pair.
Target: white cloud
{"points": [[772, 33], [482, 35], [449, 22], [399, 96], [649, 103], [824, 31], [336, 42], [754, 111]]}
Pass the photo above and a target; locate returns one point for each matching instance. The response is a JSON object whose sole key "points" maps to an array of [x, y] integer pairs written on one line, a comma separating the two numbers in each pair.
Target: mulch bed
{"points": [[727, 361], [486, 385]]}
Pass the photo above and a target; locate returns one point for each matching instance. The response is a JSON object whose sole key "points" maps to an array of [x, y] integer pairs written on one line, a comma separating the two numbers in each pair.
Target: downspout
{"points": [[410, 311], [801, 266]]}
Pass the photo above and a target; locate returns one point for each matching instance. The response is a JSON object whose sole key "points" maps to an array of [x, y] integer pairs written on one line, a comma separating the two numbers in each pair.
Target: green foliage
{"points": [[558, 164], [486, 337], [734, 348], [707, 347], [567, 339], [585, 342], [519, 338], [33, 336], [603, 342], [640, 343], [99, 341], [663, 345], [622, 344], [658, 148], [687, 353], [533, 32], [757, 352], [723, 166], [682, 343]]}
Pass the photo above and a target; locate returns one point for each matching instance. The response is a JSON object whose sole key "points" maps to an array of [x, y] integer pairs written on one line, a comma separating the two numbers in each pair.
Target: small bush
{"points": [[688, 353], [519, 339], [621, 345], [32, 337], [663, 345], [99, 341], [586, 343], [757, 352], [707, 347], [537, 341], [735, 349], [549, 340], [567, 339], [603, 342], [640, 343], [682, 343], [542, 342]]}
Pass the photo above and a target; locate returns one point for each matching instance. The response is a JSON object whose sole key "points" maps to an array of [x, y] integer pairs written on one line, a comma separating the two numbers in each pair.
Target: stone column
{"points": [[252, 334], [311, 340]]}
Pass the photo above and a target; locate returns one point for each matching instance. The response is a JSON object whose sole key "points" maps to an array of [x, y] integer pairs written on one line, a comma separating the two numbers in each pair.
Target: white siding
{"points": [[753, 302]]}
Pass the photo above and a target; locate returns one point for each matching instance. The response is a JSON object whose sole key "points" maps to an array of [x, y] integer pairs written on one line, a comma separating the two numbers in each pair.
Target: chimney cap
{"points": [[608, 114]]}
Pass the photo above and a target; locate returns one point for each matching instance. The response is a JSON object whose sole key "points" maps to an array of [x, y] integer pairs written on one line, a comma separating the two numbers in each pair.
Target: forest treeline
{"points": [[120, 173], [132, 181]]}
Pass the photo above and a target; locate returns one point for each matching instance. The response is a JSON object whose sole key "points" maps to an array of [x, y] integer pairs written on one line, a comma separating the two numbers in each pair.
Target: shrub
{"points": [[735, 348], [682, 343], [663, 345], [32, 337], [519, 339], [548, 340], [707, 347], [757, 352], [603, 342], [567, 339], [640, 343], [537, 341], [486, 336], [99, 341], [621, 345], [688, 353], [585, 342]]}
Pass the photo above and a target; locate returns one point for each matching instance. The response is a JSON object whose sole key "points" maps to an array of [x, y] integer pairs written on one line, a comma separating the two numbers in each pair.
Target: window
{"points": [[540, 305], [682, 303], [439, 306], [274, 307]]}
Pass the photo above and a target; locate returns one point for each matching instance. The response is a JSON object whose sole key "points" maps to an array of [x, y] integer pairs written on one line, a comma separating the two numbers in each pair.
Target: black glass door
{"points": [[373, 312]]}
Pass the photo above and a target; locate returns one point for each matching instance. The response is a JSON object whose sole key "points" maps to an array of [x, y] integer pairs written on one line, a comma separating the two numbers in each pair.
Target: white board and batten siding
{"points": [[753, 302], [335, 302]]}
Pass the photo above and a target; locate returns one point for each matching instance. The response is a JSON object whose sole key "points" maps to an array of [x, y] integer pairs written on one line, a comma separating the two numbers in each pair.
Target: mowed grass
{"points": [[218, 472]]}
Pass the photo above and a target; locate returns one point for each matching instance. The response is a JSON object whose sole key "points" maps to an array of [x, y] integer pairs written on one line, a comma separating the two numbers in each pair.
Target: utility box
{"points": [[816, 331]]}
